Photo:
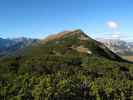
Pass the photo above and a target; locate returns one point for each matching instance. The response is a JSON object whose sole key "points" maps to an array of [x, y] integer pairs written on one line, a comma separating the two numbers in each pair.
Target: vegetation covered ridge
{"points": [[74, 67]]}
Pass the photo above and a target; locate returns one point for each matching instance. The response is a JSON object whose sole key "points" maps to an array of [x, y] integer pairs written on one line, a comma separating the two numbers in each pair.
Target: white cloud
{"points": [[116, 36], [112, 25]]}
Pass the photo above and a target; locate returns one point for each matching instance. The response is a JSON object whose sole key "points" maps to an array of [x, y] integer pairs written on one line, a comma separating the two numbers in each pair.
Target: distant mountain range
{"points": [[8, 46], [120, 47]]}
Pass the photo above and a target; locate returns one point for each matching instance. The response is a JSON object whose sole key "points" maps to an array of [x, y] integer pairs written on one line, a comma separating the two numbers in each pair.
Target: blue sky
{"points": [[39, 18]]}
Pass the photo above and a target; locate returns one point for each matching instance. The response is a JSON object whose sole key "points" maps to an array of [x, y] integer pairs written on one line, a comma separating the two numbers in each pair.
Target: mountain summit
{"points": [[78, 41], [65, 34]]}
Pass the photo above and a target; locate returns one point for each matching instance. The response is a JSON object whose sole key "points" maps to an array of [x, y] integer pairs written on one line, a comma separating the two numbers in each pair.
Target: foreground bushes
{"points": [[65, 78]]}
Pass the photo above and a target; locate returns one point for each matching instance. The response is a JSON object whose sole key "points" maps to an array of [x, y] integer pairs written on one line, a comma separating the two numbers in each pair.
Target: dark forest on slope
{"points": [[66, 66]]}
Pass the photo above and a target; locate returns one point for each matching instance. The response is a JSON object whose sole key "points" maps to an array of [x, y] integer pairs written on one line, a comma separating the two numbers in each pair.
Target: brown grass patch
{"points": [[128, 58]]}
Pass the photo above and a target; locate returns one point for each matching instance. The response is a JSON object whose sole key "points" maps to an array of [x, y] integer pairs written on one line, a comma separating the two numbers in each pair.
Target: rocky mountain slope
{"points": [[8, 46], [119, 46]]}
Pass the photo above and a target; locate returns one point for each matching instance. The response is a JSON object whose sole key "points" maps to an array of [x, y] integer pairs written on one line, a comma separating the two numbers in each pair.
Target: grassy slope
{"points": [[54, 71]]}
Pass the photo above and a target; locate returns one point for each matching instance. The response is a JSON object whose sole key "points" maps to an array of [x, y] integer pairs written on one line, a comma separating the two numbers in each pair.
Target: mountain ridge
{"points": [[8, 46], [63, 34], [120, 47], [75, 40], [72, 40]]}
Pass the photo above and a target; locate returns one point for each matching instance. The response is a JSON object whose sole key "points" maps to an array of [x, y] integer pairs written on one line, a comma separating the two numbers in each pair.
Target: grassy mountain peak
{"points": [[78, 41], [64, 34]]}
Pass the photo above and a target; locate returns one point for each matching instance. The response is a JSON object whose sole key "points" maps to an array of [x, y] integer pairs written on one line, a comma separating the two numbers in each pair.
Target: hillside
{"points": [[66, 66], [73, 41]]}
